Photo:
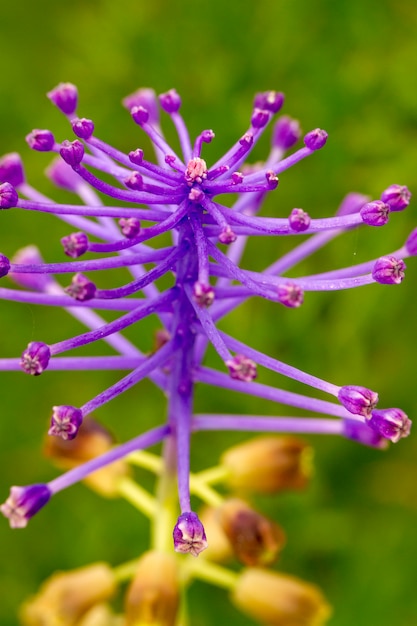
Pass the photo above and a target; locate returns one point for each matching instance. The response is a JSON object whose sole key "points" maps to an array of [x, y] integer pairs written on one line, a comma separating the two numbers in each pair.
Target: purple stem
{"points": [[145, 440], [261, 423]]}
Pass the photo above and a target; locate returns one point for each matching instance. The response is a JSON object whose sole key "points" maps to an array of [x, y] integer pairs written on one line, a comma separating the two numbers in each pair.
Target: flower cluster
{"points": [[197, 246]]}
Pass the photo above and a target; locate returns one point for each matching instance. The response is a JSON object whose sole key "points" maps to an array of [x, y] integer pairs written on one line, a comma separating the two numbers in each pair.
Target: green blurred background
{"points": [[349, 66]]}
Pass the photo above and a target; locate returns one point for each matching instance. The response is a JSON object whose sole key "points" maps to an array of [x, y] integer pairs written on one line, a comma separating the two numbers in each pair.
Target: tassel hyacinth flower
{"points": [[170, 220]]}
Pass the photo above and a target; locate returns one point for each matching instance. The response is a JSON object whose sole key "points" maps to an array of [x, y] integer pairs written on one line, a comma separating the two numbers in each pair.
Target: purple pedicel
{"points": [[188, 282]]}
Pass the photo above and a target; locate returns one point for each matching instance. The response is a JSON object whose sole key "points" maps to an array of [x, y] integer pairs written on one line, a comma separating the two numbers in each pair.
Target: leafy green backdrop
{"points": [[349, 66]]}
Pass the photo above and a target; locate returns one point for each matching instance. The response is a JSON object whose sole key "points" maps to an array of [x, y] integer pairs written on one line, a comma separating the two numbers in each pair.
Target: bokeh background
{"points": [[348, 66]]}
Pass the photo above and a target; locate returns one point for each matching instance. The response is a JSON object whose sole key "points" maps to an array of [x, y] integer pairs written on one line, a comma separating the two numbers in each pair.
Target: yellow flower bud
{"points": [[268, 464], [279, 600], [66, 596], [153, 596]]}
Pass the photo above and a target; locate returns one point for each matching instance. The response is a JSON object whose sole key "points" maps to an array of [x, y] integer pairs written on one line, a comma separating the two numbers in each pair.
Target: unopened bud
{"points": [[279, 600], [268, 464], [255, 539], [67, 596], [153, 596]]}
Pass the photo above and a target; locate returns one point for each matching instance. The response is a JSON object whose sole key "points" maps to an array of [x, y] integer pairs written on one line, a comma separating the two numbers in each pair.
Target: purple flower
{"points": [[202, 281]]}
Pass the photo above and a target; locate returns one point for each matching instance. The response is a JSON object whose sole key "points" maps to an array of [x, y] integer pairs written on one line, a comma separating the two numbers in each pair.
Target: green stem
{"points": [[136, 495], [211, 573]]}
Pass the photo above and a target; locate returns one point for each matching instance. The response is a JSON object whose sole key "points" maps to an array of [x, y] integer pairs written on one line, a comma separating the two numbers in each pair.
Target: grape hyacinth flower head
{"points": [[169, 224]]}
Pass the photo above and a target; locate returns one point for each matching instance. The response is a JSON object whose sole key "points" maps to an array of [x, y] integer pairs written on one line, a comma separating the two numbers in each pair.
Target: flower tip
{"points": [[65, 97], [375, 213], [35, 358], [23, 503], [4, 265], [242, 368], [411, 243], [358, 400], [8, 196], [72, 152], [170, 101], [315, 139], [139, 114], [81, 288], [189, 535], [227, 236], [290, 295], [299, 220], [65, 422], [75, 244], [83, 128], [397, 196], [392, 424], [388, 270], [203, 294], [360, 432], [269, 101], [11, 169], [41, 140], [286, 133], [260, 118], [146, 98], [130, 227]]}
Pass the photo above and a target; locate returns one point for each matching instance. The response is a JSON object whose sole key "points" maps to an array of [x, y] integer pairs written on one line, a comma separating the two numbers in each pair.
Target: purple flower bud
{"points": [[83, 128], [130, 227], [227, 236], [286, 133], [37, 282], [299, 220], [35, 358], [358, 400], [271, 179], [397, 196], [189, 535], [75, 244], [11, 169], [4, 265], [246, 140], [315, 139], [375, 213], [260, 118], [207, 136], [196, 171], [242, 368], [145, 98], [203, 294], [290, 295], [72, 152], [269, 101], [411, 243], [136, 156], [134, 181], [237, 178], [24, 502], [140, 115], [392, 424], [65, 97], [65, 422], [195, 195], [81, 288], [170, 101], [62, 175], [41, 140], [361, 433], [8, 196], [389, 270]]}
